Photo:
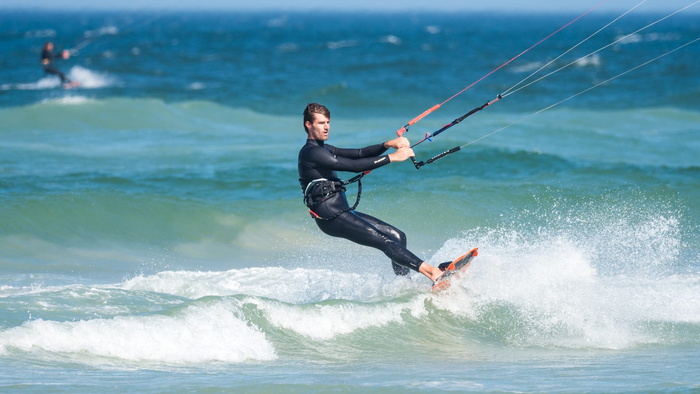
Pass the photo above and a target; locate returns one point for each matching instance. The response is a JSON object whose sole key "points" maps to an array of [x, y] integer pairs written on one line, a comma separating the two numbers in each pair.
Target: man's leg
{"points": [[362, 229]]}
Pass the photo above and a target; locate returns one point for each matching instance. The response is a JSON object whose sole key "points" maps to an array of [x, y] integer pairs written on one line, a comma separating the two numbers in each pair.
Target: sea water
{"points": [[153, 236]]}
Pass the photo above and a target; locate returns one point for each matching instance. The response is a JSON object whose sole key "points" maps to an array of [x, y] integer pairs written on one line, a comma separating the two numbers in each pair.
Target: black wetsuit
{"points": [[47, 58], [326, 198]]}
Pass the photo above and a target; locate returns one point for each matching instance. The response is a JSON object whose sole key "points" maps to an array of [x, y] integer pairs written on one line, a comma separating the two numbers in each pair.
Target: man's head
{"points": [[317, 120]]}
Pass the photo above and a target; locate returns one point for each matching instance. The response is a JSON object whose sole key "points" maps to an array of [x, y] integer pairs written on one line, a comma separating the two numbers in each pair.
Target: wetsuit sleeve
{"points": [[369, 151], [351, 160], [51, 55]]}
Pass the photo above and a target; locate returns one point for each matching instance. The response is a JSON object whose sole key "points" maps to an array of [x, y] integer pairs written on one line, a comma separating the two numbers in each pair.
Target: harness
{"points": [[320, 190]]}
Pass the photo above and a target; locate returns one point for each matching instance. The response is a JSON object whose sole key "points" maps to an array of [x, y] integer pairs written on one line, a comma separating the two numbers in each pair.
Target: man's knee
{"points": [[396, 235]]}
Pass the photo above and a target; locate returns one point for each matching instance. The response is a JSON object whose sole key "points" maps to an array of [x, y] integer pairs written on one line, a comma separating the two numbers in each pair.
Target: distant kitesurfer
{"points": [[324, 192], [47, 58]]}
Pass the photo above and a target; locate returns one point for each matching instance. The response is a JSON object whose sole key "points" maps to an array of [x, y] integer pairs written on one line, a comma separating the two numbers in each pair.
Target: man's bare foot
{"points": [[431, 272]]}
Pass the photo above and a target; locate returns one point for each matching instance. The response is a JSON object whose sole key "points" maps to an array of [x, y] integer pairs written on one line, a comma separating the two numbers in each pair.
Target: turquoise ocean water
{"points": [[153, 237]]}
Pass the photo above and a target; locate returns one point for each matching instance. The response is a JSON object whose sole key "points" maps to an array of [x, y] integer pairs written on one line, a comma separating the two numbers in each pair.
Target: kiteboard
{"points": [[454, 270], [71, 85]]}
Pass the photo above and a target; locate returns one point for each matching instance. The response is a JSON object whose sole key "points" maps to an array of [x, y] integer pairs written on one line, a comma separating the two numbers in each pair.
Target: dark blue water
{"points": [[364, 64]]}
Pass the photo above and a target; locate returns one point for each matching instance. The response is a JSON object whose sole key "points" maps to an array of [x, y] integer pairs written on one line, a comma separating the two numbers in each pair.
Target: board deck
{"points": [[454, 270]]}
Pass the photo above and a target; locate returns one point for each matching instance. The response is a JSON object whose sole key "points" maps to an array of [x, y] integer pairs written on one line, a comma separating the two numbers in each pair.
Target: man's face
{"points": [[318, 130]]}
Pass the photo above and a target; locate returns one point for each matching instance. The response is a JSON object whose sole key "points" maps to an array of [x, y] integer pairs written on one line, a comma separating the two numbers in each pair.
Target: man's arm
{"points": [[372, 150], [368, 151], [336, 159]]}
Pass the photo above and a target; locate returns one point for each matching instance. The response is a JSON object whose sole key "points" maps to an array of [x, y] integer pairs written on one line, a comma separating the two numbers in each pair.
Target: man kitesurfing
{"points": [[324, 193], [47, 58]]}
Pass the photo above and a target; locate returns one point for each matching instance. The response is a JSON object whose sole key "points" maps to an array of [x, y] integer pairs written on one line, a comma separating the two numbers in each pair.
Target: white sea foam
{"points": [[87, 79], [601, 283], [198, 334], [299, 286], [326, 321]]}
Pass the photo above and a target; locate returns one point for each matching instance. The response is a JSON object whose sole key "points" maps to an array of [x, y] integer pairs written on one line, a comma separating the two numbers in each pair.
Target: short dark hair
{"points": [[312, 109]]}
